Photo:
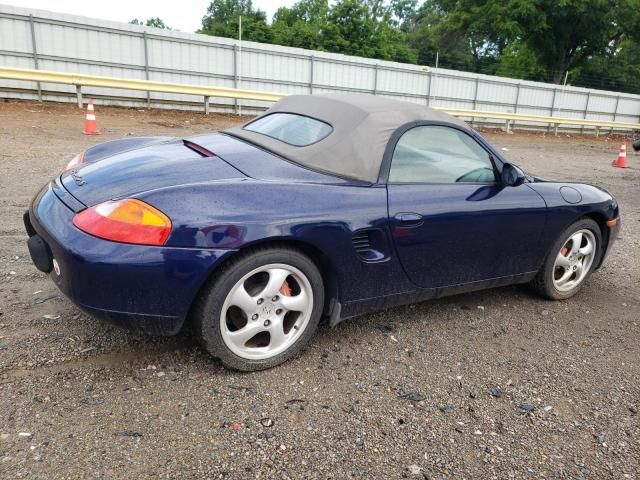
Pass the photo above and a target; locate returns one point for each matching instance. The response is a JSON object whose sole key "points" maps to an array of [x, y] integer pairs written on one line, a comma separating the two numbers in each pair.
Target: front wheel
{"points": [[261, 309], [570, 262]]}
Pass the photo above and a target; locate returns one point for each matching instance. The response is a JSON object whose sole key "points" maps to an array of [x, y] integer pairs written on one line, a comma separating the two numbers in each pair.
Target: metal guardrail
{"points": [[80, 80], [555, 121]]}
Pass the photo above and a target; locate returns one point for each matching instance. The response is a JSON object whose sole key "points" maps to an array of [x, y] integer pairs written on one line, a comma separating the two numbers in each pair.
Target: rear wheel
{"points": [[261, 309], [570, 262]]}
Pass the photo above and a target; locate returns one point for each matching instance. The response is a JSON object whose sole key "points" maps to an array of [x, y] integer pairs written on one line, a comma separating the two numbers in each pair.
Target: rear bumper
{"points": [[135, 286]]}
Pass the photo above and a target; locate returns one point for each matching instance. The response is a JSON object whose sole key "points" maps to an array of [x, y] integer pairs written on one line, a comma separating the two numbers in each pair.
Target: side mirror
{"points": [[636, 146], [511, 175]]}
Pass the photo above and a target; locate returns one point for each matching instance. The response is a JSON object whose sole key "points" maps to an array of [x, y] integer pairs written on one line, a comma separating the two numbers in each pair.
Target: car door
{"points": [[451, 220]]}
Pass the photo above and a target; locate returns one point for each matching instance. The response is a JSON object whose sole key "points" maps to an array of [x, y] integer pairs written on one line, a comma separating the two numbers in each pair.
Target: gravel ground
{"points": [[494, 384]]}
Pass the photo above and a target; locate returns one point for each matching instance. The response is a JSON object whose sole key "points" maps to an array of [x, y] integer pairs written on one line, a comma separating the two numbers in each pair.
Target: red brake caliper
{"points": [[563, 251], [285, 289]]}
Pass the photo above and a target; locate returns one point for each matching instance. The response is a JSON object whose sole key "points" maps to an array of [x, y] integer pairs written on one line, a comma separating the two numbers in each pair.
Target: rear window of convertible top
{"points": [[296, 130]]}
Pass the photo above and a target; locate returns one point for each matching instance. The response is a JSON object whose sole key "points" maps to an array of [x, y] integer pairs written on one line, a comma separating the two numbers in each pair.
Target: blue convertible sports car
{"points": [[325, 206]]}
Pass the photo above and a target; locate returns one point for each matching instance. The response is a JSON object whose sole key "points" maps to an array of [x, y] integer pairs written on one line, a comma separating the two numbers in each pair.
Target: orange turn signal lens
{"points": [[127, 221], [612, 223]]}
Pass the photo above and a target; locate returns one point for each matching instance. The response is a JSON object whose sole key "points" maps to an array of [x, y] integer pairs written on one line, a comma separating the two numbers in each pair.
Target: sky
{"points": [[184, 15]]}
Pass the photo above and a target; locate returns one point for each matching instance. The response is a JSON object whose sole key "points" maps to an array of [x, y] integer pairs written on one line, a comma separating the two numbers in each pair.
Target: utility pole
{"points": [[564, 85], [435, 73], [240, 60]]}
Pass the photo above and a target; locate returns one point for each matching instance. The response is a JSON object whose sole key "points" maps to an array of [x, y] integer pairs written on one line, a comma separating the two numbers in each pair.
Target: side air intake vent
{"points": [[369, 244], [361, 243]]}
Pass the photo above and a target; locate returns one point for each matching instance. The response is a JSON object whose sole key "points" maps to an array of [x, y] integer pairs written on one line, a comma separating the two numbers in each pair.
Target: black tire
{"points": [[208, 308], [543, 282]]}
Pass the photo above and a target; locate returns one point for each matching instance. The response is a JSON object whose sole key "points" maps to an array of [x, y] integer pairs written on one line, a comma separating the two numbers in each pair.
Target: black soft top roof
{"points": [[362, 126]]}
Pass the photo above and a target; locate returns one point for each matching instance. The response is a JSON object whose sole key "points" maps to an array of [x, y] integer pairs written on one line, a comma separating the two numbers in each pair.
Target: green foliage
{"points": [[364, 28], [369, 28], [565, 34], [156, 22], [517, 60], [404, 13], [596, 41], [301, 25], [223, 18], [533, 39], [619, 71], [432, 37]]}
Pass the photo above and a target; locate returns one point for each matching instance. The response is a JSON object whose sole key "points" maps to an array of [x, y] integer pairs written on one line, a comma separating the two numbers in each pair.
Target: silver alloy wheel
{"points": [[574, 260], [266, 311]]}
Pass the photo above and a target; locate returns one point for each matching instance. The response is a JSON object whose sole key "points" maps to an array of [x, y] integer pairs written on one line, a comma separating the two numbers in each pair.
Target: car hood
{"points": [[153, 166]]}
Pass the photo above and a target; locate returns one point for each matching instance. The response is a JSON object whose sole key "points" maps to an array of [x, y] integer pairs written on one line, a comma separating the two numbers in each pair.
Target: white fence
{"points": [[67, 43]]}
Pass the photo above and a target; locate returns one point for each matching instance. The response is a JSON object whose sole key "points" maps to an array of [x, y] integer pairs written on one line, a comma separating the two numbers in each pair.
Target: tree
{"points": [[564, 35], [619, 70], [301, 25], [595, 41], [517, 60], [365, 28], [404, 13], [222, 20], [354, 27], [430, 37], [467, 34], [555, 35], [156, 22]]}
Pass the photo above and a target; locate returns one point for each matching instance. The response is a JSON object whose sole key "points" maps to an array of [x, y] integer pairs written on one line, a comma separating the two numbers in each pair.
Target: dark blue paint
{"points": [[430, 240], [570, 194], [472, 232], [596, 202], [111, 278], [104, 150], [139, 170]]}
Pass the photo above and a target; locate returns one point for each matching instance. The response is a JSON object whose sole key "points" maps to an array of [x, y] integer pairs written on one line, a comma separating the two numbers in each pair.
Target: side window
{"points": [[433, 154]]}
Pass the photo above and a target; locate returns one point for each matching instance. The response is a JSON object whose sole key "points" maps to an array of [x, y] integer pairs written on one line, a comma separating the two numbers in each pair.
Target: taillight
{"points": [[127, 221], [75, 161]]}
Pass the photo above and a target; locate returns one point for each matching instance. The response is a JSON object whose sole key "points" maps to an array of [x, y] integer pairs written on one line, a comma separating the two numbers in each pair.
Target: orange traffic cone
{"points": [[90, 124], [621, 161]]}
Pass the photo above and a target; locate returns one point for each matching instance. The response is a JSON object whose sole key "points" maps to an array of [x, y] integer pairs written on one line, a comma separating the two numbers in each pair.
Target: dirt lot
{"points": [[509, 385]]}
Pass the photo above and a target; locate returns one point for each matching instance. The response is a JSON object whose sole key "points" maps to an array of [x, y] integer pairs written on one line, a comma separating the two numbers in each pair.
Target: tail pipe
{"points": [[636, 146]]}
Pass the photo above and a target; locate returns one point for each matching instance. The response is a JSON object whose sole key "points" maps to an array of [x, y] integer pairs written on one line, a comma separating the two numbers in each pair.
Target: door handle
{"points": [[409, 219]]}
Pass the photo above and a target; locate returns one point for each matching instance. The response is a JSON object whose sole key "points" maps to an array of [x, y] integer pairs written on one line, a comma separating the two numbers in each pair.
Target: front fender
{"points": [[567, 202]]}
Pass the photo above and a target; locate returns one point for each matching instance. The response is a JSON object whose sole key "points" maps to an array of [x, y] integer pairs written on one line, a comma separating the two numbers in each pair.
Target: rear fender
{"points": [[240, 213]]}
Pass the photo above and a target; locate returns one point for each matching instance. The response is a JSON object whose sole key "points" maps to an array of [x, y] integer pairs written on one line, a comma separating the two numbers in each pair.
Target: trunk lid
{"points": [[137, 170]]}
